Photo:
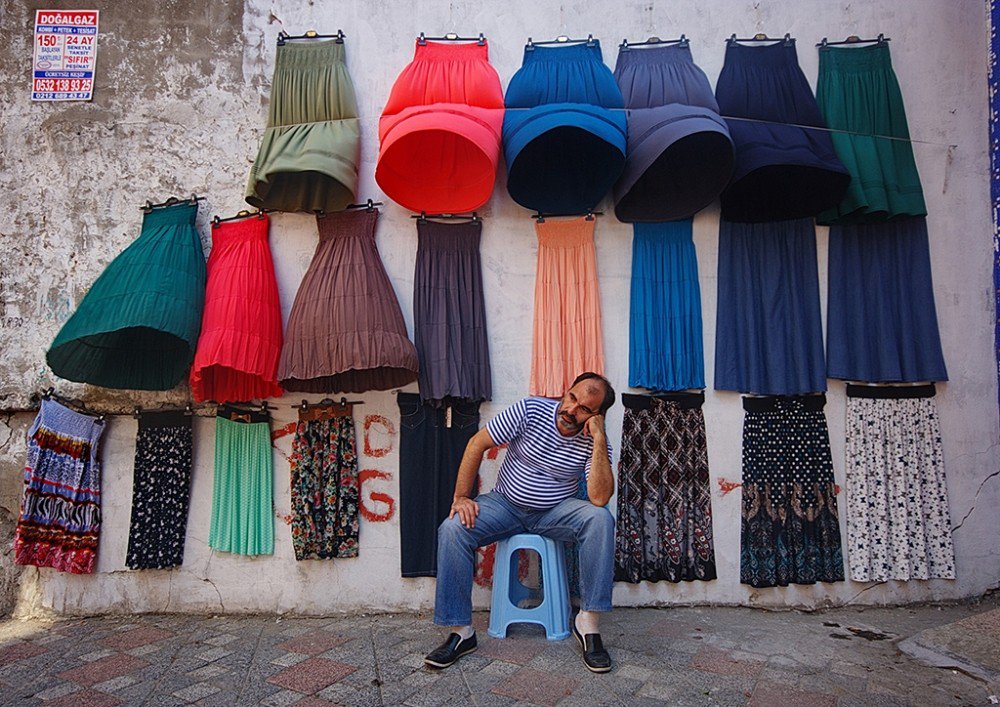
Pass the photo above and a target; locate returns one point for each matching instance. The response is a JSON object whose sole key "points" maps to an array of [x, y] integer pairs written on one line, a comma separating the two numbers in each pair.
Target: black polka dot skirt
{"points": [[161, 491], [790, 533]]}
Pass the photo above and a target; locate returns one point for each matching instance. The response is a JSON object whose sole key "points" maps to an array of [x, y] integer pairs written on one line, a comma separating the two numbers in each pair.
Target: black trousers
{"points": [[432, 439]]}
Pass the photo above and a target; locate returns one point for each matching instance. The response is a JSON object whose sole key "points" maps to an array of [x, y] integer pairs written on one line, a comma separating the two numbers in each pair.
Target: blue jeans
{"points": [[592, 527]]}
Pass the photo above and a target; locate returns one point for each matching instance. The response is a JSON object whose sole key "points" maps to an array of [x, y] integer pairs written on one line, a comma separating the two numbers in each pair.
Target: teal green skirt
{"points": [[137, 327], [859, 96], [242, 496]]}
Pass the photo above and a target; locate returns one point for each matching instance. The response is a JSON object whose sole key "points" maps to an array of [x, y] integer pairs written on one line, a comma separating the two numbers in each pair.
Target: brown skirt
{"points": [[346, 331]]}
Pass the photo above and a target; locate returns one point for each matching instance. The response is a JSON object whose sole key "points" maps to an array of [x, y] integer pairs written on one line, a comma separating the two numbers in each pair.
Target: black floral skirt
{"points": [[161, 491], [324, 466], [664, 503], [790, 528]]}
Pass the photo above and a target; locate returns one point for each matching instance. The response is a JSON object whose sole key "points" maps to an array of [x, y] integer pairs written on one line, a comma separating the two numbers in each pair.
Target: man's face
{"points": [[579, 404]]}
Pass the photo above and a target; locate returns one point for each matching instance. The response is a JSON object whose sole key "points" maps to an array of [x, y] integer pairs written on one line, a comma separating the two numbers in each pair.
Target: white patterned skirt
{"points": [[898, 521]]}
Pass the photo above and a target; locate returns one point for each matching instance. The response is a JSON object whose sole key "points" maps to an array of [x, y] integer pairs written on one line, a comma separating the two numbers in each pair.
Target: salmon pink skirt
{"points": [[567, 337]]}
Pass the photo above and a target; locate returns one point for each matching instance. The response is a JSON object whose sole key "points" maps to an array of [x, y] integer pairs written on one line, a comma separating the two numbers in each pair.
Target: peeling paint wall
{"points": [[180, 105]]}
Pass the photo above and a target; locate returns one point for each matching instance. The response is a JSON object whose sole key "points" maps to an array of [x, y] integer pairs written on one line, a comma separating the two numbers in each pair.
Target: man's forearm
{"points": [[472, 459], [600, 481]]}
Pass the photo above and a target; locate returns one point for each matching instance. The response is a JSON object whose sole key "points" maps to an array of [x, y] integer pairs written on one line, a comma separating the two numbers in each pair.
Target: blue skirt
{"points": [[881, 320], [564, 130], [783, 170], [665, 337], [680, 155], [769, 334]]}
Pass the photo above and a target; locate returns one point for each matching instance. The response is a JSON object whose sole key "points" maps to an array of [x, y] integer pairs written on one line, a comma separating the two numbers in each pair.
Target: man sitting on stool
{"points": [[549, 444]]}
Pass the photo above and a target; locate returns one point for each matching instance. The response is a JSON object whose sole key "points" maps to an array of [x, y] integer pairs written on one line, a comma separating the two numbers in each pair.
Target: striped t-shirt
{"points": [[541, 467]]}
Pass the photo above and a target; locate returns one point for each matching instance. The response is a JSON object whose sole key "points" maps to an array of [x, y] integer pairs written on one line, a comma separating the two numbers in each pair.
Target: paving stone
{"points": [[314, 642], [279, 699], [510, 650], [213, 654], [207, 672], [220, 640], [534, 686], [135, 637], [86, 698], [21, 650], [103, 669], [311, 676], [96, 655], [115, 684], [713, 660], [145, 650], [196, 692], [767, 694], [60, 690]]}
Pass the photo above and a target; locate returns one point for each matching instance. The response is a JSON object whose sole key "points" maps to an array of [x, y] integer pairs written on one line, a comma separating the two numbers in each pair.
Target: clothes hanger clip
{"points": [[137, 412], [624, 45], [590, 215], [482, 39], [264, 406], [590, 40], [788, 39], [303, 406], [188, 410], [194, 199], [421, 39], [47, 395], [684, 40], [529, 46], [475, 216], [759, 37], [881, 38], [320, 213], [343, 403], [371, 205]]}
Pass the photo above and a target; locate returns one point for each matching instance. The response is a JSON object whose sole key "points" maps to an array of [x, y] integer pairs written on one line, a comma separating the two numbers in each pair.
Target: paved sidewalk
{"points": [[727, 656]]}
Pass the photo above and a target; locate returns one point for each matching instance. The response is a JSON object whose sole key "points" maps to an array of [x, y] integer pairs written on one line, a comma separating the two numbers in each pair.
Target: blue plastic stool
{"points": [[553, 612]]}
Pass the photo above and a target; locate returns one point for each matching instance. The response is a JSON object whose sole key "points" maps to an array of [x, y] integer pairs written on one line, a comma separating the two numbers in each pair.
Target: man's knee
{"points": [[452, 531], [599, 519]]}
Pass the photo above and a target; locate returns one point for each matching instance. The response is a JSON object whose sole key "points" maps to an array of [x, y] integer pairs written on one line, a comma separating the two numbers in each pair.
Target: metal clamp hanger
{"points": [[788, 39], [682, 41], [854, 39], [452, 37], [561, 39], [589, 215], [368, 205], [310, 34], [423, 217], [172, 201], [243, 213]]}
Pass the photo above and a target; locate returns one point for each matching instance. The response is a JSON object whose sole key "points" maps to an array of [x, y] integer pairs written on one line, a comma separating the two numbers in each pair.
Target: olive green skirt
{"points": [[860, 99], [308, 159]]}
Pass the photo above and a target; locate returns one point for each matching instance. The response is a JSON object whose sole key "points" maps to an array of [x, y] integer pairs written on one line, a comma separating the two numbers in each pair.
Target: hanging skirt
{"points": [[137, 327], [242, 506], [783, 170], [790, 533], [664, 499], [237, 357], [61, 510], [308, 159], [679, 154], [563, 132], [439, 133], [346, 331], [432, 440], [665, 339], [898, 521], [161, 491], [769, 334], [567, 338], [859, 97], [881, 319], [449, 313], [325, 489]]}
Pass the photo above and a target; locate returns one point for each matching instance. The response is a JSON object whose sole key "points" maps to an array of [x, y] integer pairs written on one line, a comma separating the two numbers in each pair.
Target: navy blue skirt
{"points": [[680, 155], [665, 349], [769, 334], [881, 319], [783, 170], [564, 130]]}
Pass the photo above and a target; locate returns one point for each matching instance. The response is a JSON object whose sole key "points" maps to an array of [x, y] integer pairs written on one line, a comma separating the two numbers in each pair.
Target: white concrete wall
{"points": [[181, 106]]}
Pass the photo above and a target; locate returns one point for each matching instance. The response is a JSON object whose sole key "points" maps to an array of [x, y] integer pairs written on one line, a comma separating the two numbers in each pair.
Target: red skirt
{"points": [[439, 134], [240, 342]]}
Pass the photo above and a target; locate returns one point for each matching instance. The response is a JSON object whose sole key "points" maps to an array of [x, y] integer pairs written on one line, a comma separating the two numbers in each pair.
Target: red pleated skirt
{"points": [[240, 342], [439, 134]]}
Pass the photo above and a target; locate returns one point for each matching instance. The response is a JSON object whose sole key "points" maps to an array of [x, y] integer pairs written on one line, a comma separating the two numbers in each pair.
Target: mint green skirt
{"points": [[242, 508]]}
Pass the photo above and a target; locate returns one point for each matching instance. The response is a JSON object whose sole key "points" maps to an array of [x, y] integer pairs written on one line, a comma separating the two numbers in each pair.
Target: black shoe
{"points": [[595, 657], [451, 650]]}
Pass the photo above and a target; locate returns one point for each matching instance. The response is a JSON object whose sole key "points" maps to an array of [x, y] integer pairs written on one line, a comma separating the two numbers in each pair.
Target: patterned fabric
{"points": [[898, 522], [61, 509], [324, 485], [664, 501], [161, 491], [790, 533], [995, 165]]}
